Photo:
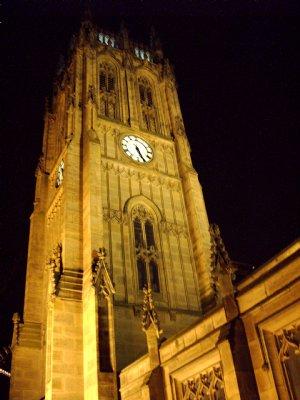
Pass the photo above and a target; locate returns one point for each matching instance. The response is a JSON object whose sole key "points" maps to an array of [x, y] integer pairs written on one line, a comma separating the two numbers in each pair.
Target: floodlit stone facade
{"points": [[248, 350], [121, 253]]}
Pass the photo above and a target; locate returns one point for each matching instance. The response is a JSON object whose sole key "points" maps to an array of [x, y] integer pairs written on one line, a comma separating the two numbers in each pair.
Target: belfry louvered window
{"points": [[145, 249], [108, 92], [148, 111]]}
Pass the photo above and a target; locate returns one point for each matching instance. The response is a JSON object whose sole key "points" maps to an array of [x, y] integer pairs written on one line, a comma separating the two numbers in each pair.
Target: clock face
{"points": [[137, 149]]}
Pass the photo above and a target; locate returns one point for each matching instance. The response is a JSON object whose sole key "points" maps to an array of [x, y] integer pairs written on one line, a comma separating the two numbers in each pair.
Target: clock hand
{"points": [[138, 150]]}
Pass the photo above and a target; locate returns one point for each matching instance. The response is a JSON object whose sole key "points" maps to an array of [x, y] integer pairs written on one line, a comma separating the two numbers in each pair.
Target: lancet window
{"points": [[145, 249], [108, 92], [149, 120]]}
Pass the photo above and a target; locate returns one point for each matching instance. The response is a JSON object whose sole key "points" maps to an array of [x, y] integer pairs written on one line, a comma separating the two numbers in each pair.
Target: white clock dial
{"points": [[137, 149]]}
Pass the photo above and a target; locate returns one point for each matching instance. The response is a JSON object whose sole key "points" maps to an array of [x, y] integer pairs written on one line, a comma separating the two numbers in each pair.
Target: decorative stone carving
{"points": [[179, 127], [207, 385], [71, 101], [172, 183], [116, 133], [289, 341], [53, 210], [60, 174], [101, 278], [93, 136], [222, 271], [103, 127], [87, 34], [174, 228], [41, 165], [112, 215], [91, 94], [146, 254], [149, 314], [142, 213], [55, 270]]}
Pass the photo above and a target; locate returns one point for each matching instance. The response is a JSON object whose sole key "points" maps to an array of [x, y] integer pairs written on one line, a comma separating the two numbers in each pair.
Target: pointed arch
{"points": [[144, 217], [140, 199]]}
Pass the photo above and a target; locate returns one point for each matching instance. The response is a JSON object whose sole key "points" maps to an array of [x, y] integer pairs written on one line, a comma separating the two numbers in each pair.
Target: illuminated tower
{"points": [[118, 206]]}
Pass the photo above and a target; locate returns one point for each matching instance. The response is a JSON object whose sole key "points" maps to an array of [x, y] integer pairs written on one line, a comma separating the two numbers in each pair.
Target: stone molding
{"points": [[113, 215], [30, 335], [168, 227], [54, 208], [174, 228], [157, 178]]}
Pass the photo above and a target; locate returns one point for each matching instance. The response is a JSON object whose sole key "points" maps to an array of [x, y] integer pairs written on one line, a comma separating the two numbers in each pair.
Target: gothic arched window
{"points": [[149, 121], [108, 92], [145, 249]]}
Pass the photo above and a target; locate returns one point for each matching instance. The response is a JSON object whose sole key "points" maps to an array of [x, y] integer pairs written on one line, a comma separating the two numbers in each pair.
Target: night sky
{"points": [[237, 68]]}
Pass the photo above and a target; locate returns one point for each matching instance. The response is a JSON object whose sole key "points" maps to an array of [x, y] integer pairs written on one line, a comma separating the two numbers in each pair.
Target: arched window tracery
{"points": [[108, 91], [149, 119], [145, 249]]}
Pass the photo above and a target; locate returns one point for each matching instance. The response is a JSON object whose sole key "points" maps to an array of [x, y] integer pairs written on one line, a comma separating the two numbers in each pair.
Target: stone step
{"points": [[32, 325], [73, 273], [70, 293], [70, 285], [68, 278], [30, 335], [30, 343], [31, 328]]}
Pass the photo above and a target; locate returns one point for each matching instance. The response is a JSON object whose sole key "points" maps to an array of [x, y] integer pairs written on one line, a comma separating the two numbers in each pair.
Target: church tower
{"points": [[118, 206]]}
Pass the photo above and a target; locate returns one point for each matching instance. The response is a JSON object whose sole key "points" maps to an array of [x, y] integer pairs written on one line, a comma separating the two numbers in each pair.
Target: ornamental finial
{"points": [[222, 271], [101, 278], [149, 314]]}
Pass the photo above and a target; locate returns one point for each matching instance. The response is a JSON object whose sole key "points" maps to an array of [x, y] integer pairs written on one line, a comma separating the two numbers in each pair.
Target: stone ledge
{"points": [[70, 284]]}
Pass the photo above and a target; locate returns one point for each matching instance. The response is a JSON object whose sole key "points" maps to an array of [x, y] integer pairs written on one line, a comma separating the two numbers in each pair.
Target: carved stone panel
{"points": [[207, 385]]}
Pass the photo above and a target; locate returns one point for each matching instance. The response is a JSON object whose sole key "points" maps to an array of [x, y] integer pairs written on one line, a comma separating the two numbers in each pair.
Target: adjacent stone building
{"points": [[245, 349], [121, 253]]}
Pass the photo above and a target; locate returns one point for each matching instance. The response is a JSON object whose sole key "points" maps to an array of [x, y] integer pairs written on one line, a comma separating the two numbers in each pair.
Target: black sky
{"points": [[237, 68]]}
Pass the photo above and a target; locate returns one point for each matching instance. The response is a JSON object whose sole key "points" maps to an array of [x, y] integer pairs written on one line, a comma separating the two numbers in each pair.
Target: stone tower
{"points": [[118, 206]]}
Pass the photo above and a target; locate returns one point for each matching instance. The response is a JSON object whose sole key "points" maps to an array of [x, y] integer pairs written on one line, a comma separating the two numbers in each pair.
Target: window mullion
{"points": [[106, 81], [144, 234], [145, 245]]}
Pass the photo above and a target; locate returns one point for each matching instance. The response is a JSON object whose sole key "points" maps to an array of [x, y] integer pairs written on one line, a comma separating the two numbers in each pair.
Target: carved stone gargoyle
{"points": [[221, 267], [101, 278]]}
